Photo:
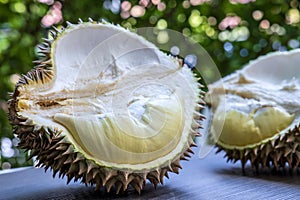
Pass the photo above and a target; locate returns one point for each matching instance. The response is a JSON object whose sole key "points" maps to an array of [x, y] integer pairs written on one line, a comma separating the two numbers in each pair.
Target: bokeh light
{"points": [[6, 147], [137, 11], [264, 24], [257, 15]]}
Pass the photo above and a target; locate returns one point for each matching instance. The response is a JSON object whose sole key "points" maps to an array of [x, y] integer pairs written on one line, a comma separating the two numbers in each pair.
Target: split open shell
{"points": [[106, 107]]}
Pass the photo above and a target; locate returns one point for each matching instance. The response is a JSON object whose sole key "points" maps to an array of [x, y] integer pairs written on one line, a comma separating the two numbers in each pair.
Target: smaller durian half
{"points": [[106, 107], [259, 112]]}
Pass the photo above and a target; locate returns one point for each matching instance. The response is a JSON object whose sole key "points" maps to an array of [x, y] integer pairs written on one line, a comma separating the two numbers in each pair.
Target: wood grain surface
{"points": [[207, 178]]}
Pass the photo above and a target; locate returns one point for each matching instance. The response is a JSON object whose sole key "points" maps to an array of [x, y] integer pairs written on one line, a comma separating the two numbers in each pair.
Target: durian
{"points": [[106, 107], [259, 112]]}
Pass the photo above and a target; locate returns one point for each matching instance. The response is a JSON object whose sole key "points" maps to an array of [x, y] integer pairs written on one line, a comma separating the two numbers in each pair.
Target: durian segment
{"points": [[262, 110], [107, 107], [247, 122]]}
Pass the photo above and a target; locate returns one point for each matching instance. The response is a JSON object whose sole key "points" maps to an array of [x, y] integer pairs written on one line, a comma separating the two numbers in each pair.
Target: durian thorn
{"points": [[52, 33], [125, 175], [109, 184], [192, 143], [186, 154], [42, 47], [41, 54], [78, 158], [167, 175], [47, 40], [47, 62], [62, 146], [136, 187], [177, 164], [118, 187], [32, 154], [46, 44], [287, 151], [91, 165], [170, 169], [128, 180], [291, 138], [199, 106], [273, 143], [162, 174], [91, 20], [59, 156], [82, 168], [200, 85], [198, 115], [69, 24], [69, 178], [69, 150], [195, 133], [80, 21], [108, 175], [73, 169], [70, 159], [56, 29], [103, 21], [44, 51], [255, 151], [89, 177]]}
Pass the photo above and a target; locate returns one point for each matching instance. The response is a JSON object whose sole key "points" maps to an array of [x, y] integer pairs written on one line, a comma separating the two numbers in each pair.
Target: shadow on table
{"points": [[285, 176]]}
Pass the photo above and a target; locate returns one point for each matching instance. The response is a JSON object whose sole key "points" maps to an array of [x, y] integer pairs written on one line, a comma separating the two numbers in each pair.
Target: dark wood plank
{"points": [[208, 178]]}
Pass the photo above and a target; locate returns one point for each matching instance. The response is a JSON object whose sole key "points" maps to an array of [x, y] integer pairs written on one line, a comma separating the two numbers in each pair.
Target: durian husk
{"points": [[53, 151], [279, 153], [281, 150]]}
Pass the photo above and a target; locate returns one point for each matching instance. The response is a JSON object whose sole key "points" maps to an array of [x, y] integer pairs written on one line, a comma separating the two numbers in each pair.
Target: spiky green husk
{"points": [[54, 152]]}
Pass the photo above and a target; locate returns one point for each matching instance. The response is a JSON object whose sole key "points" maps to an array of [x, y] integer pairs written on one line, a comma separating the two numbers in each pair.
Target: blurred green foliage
{"points": [[232, 31]]}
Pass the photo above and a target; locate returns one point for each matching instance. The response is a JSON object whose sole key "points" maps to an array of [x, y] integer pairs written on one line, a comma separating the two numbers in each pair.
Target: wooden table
{"points": [[209, 178]]}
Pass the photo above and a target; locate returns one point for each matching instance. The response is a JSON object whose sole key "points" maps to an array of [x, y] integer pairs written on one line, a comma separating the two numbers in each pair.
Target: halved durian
{"points": [[106, 107], [260, 120]]}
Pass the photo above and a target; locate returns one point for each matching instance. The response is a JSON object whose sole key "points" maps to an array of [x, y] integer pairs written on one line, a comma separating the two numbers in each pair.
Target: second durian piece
{"points": [[259, 113]]}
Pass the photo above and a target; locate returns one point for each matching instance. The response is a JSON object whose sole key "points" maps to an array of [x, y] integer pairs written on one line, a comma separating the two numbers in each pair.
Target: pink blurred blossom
{"points": [[230, 21], [53, 16], [198, 2], [155, 2], [144, 3], [125, 6], [161, 6], [125, 14], [264, 24]]}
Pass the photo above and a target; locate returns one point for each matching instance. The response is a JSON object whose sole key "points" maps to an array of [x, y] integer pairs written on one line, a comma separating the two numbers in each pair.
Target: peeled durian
{"points": [[257, 110], [106, 107]]}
